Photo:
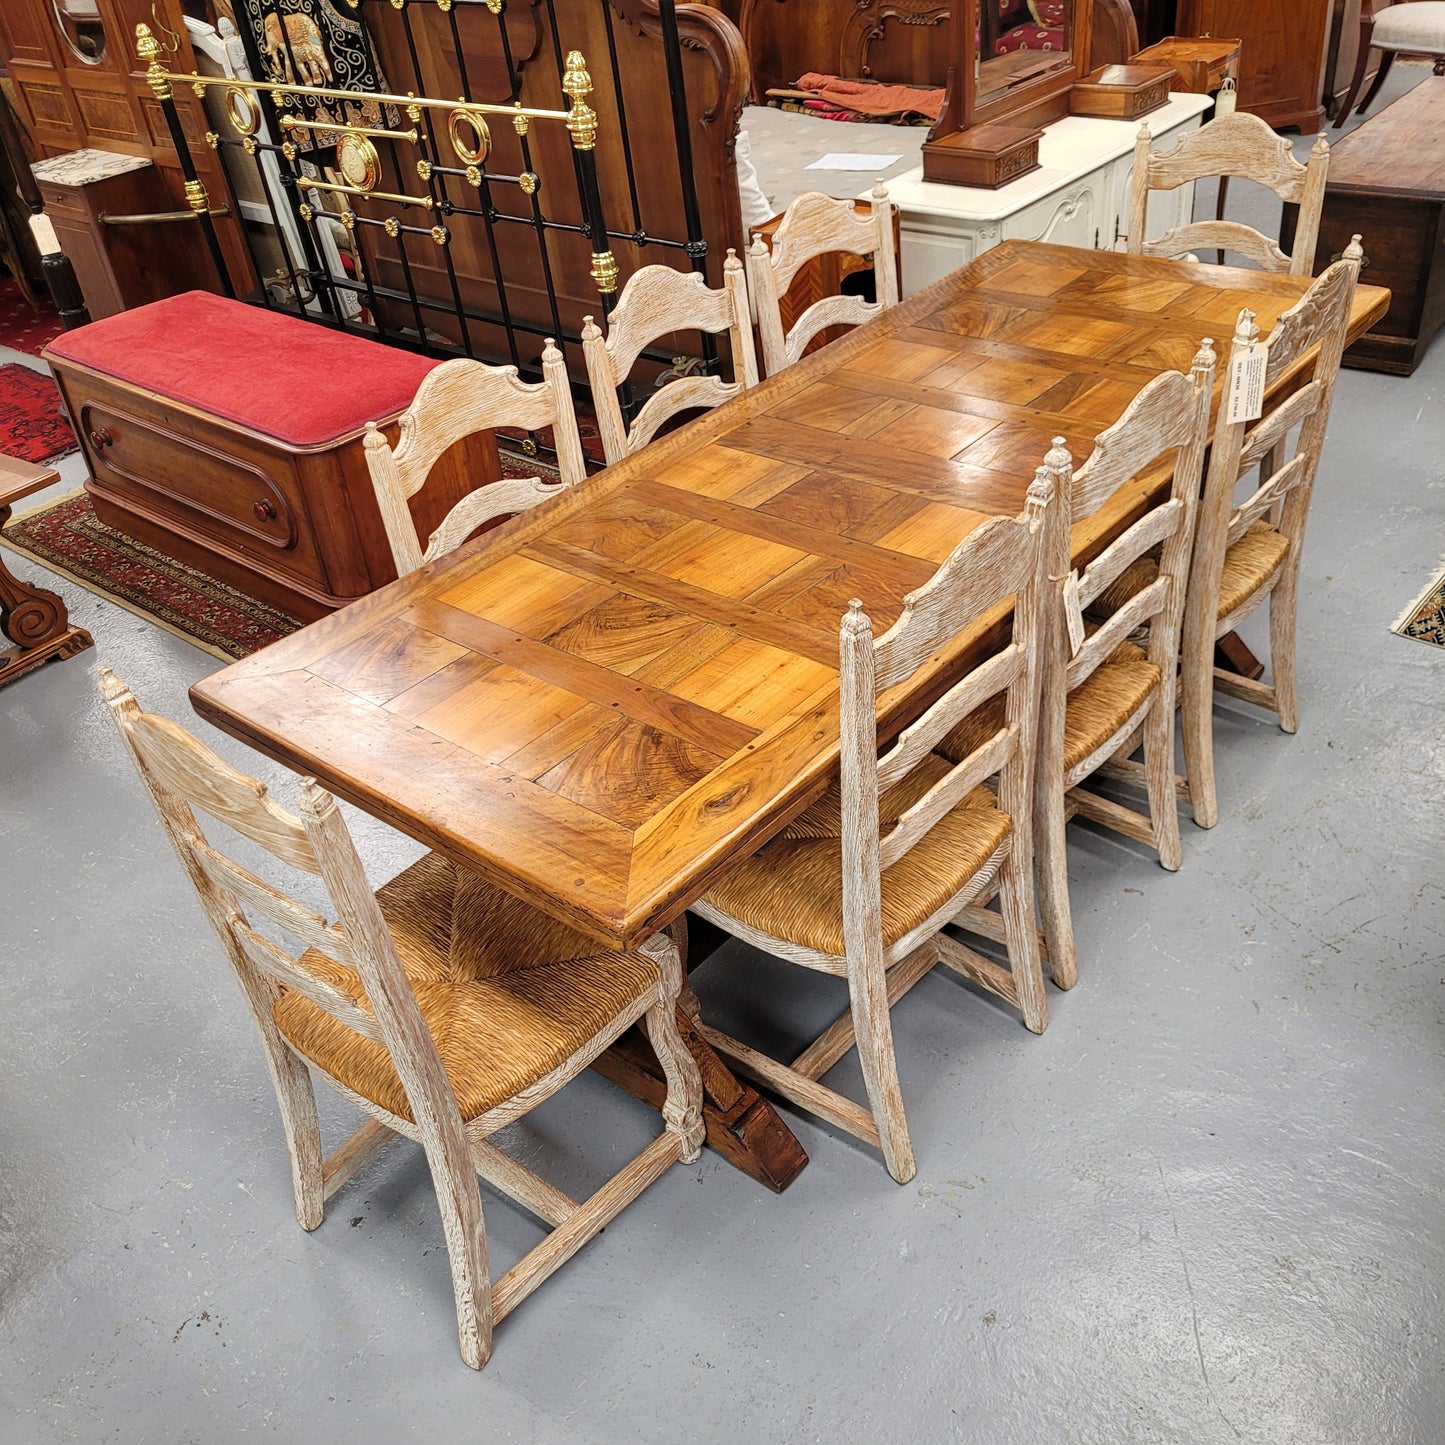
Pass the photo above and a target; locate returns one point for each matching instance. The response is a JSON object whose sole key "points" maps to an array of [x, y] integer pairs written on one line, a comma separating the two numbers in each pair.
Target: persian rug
{"points": [[66, 537], [22, 327], [31, 426], [1424, 618]]}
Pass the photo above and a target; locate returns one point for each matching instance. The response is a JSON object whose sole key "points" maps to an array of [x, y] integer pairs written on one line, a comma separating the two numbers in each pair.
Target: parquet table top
{"points": [[603, 703]]}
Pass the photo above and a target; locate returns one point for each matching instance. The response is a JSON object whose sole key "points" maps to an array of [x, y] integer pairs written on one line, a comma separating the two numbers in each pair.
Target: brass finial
{"points": [[581, 118]]}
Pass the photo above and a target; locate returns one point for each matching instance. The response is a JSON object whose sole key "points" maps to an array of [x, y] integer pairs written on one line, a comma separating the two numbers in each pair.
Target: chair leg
{"points": [[1283, 606], [873, 1030], [297, 1102], [1016, 902], [1159, 781], [1362, 64], [1196, 711], [1385, 63], [460, 1202], [1051, 870]]}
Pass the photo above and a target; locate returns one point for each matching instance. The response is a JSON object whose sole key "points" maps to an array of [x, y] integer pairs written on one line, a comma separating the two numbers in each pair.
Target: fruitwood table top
{"points": [[604, 703]]}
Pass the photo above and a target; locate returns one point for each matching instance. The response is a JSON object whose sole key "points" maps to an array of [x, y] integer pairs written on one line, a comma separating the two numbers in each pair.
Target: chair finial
{"points": [[1246, 333], [855, 621], [879, 191], [1058, 459], [373, 438], [590, 329], [1355, 251], [1204, 358]]}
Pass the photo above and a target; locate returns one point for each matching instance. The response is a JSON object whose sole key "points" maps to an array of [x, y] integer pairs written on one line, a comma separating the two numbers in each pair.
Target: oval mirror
{"points": [[82, 27]]}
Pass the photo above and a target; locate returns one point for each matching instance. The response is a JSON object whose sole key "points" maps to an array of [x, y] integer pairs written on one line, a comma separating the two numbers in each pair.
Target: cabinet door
{"points": [[1071, 218], [927, 255], [1282, 62]]}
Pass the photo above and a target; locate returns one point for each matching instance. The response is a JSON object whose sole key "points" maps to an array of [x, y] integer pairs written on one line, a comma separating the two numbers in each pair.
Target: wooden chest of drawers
{"points": [[295, 526]]}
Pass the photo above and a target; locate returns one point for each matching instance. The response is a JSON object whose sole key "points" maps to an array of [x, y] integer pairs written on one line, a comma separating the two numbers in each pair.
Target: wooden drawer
{"points": [[143, 457]]}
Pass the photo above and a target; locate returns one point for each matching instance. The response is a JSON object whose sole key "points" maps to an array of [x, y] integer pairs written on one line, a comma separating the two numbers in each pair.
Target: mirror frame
{"points": [[1038, 103], [59, 17]]}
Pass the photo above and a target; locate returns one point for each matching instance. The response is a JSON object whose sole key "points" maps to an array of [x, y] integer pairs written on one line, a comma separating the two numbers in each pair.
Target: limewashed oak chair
{"points": [[440, 1006], [656, 302], [1234, 145], [815, 225], [457, 399], [861, 885]]}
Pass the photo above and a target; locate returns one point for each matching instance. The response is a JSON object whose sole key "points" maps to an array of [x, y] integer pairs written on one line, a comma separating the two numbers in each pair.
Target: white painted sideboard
{"points": [[1080, 197]]}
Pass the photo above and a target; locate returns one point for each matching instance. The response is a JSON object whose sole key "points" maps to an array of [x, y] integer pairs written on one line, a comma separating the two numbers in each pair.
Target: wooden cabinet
{"points": [[1282, 62], [117, 265], [1079, 198]]}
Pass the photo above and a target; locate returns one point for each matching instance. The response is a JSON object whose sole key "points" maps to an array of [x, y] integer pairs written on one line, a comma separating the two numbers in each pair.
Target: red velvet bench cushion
{"points": [[299, 382]]}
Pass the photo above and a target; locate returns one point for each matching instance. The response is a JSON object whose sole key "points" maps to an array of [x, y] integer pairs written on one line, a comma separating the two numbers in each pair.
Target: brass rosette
{"points": [[471, 152], [358, 162]]}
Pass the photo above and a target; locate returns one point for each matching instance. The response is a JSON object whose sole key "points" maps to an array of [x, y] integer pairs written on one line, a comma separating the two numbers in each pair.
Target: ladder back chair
{"points": [[1248, 553], [1101, 695], [861, 884], [813, 226], [1234, 145], [442, 1007], [456, 399], [658, 301]]}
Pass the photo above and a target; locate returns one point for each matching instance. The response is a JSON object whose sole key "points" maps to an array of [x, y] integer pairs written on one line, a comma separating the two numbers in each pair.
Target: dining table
{"points": [[604, 704]]}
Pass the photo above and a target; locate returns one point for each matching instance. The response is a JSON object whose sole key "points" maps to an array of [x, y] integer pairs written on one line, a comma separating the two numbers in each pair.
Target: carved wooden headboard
{"points": [[900, 41]]}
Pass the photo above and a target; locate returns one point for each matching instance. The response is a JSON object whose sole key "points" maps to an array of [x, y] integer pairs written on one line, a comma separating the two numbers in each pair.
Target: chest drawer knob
{"points": [[265, 511], [100, 437]]}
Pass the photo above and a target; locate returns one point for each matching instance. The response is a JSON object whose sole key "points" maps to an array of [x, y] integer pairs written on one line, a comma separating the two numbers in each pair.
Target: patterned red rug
{"points": [[66, 537], [31, 426], [22, 327]]}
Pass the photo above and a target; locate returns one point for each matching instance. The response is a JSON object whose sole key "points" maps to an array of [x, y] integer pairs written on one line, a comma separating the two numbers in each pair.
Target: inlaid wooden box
{"points": [[987, 156], [1122, 92]]}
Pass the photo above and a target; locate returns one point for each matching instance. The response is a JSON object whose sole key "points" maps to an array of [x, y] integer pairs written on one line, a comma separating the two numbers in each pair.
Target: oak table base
{"points": [[32, 618]]}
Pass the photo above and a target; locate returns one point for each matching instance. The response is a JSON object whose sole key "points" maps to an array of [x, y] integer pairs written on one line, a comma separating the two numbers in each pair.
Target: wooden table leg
{"points": [[741, 1125], [33, 619]]}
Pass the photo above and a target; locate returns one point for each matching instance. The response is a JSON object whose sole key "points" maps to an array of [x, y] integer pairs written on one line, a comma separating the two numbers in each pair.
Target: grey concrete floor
{"points": [[1203, 1207]]}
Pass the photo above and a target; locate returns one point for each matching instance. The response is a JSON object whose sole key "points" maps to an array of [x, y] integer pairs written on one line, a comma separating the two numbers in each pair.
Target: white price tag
{"points": [[1246, 386], [1073, 613]]}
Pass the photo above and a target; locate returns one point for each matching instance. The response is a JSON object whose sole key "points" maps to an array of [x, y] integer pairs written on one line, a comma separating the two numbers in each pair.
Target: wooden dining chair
{"points": [[455, 400], [1249, 553], [656, 302], [815, 225], [1101, 696], [442, 1007], [861, 884], [1234, 145]]}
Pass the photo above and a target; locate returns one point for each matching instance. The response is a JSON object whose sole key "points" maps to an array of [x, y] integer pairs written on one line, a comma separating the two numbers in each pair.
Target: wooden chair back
{"points": [[1320, 319], [455, 400], [1166, 425], [1234, 145], [656, 302], [815, 225], [1003, 559], [184, 777]]}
